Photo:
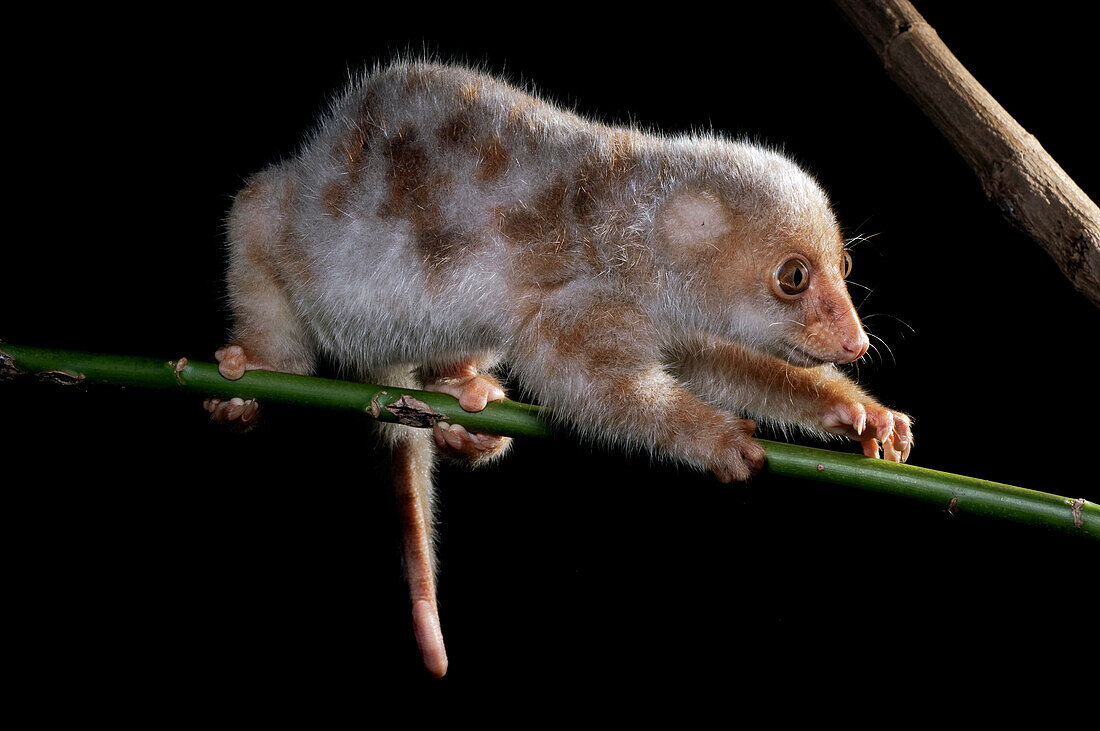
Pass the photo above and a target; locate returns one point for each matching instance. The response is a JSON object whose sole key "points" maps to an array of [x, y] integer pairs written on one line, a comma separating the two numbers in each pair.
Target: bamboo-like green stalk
{"points": [[958, 494]]}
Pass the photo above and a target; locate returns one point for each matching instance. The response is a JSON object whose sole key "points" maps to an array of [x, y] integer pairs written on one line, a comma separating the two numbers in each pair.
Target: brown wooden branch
{"points": [[1018, 175]]}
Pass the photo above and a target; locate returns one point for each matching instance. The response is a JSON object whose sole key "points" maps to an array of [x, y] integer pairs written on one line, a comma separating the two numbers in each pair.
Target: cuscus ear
{"points": [[693, 217]]}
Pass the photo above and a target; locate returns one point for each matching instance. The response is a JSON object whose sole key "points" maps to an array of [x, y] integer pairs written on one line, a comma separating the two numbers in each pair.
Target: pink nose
{"points": [[857, 347]]}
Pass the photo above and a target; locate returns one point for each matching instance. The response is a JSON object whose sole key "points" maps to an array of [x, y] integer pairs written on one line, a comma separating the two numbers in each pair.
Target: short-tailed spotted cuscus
{"points": [[655, 293]]}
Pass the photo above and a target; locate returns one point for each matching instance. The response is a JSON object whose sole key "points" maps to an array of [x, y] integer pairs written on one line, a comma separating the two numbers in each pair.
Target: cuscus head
{"points": [[764, 263]]}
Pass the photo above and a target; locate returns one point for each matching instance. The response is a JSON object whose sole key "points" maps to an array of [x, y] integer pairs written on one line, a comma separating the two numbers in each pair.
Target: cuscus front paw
{"points": [[873, 426], [457, 442], [738, 456]]}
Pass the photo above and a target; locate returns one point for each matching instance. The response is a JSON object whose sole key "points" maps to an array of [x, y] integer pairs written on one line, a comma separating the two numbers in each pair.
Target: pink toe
{"points": [[472, 400]]}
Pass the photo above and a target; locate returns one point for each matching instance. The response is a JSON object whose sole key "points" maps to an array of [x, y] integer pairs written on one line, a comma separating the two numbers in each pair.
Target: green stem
{"points": [[958, 494], [507, 418]]}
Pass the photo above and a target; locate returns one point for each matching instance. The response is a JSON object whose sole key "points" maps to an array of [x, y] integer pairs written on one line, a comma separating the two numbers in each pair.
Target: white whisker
{"points": [[892, 317], [884, 344], [858, 239]]}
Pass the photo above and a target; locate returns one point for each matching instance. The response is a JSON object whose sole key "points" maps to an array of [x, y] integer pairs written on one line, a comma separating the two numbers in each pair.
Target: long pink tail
{"points": [[411, 464]]}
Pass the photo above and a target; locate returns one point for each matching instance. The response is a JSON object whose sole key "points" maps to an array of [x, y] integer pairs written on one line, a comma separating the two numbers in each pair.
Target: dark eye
{"points": [[793, 275], [847, 264]]}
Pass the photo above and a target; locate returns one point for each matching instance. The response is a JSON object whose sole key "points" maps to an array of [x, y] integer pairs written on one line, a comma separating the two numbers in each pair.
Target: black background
{"points": [[154, 555]]}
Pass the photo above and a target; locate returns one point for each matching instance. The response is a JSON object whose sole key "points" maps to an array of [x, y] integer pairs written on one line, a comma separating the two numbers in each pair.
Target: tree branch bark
{"points": [[1029, 188], [956, 494]]}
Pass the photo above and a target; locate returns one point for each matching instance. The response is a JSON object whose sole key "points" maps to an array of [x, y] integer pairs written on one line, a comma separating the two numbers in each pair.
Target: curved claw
{"points": [[874, 427]]}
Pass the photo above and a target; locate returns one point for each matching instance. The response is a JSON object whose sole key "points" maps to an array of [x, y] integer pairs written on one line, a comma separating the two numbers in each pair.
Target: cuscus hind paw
{"points": [[472, 391], [457, 442], [236, 412], [233, 362]]}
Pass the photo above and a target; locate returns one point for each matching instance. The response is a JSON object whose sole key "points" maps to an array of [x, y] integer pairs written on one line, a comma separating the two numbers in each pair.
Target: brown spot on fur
{"points": [[368, 122], [547, 249], [456, 129], [354, 149], [459, 128], [413, 193], [441, 245], [493, 160], [538, 222], [409, 194], [334, 197], [462, 129]]}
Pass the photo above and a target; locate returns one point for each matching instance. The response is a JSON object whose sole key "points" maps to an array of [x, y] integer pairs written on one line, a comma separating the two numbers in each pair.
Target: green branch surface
{"points": [[958, 494]]}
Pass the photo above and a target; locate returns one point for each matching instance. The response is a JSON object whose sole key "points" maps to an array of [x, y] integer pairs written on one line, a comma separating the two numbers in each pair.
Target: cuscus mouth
{"points": [[797, 356]]}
